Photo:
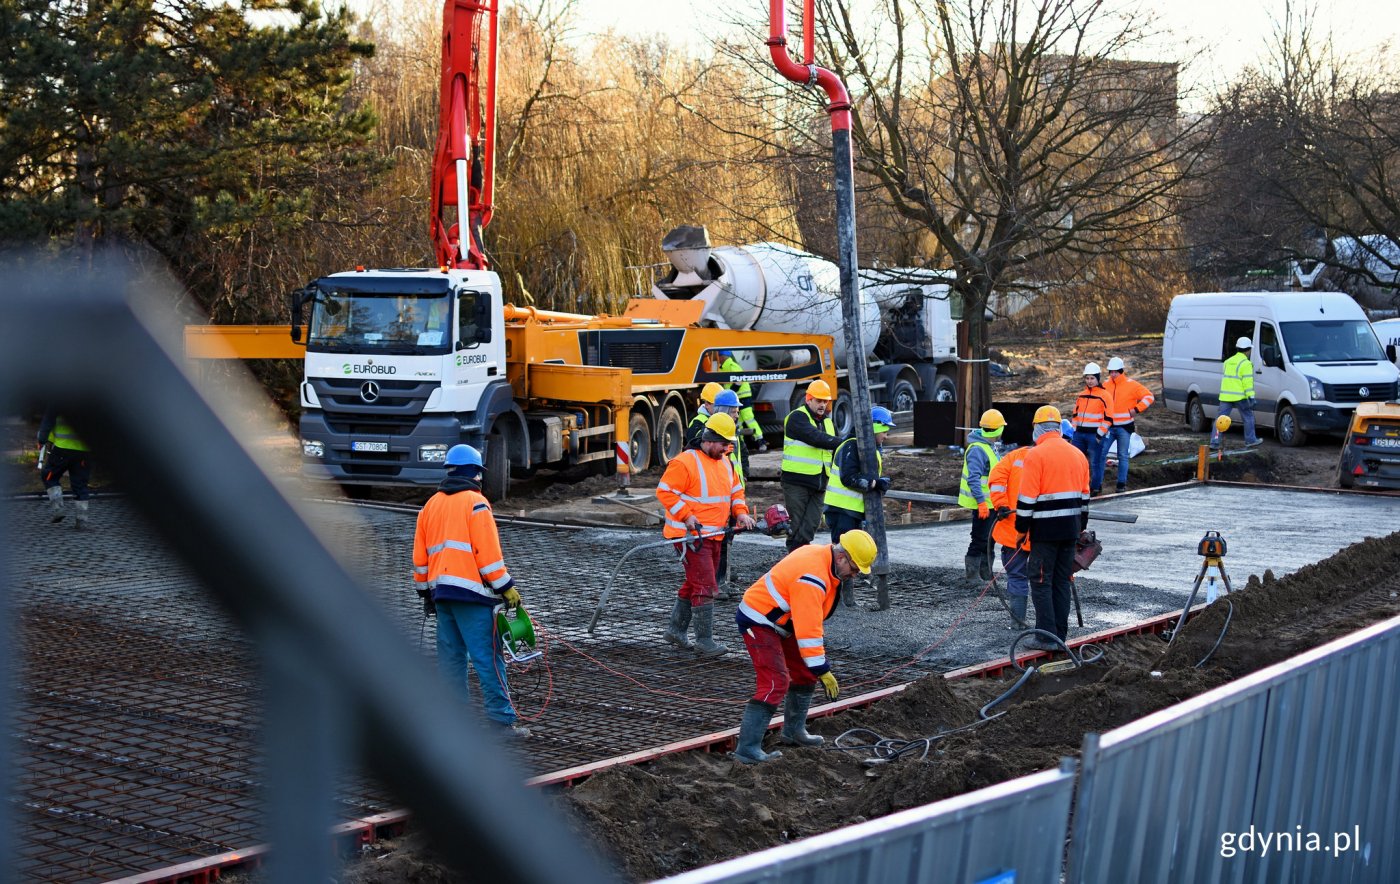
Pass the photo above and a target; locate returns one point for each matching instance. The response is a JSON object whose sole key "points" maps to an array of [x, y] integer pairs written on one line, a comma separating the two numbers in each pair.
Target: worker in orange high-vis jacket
{"points": [[781, 620], [1126, 399], [700, 491], [1004, 485], [460, 573], [1052, 508], [1091, 423]]}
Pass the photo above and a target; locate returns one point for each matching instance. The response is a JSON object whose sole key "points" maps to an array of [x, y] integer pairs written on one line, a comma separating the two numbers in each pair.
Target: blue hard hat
{"points": [[1066, 429], [726, 353], [727, 399], [881, 415], [463, 456]]}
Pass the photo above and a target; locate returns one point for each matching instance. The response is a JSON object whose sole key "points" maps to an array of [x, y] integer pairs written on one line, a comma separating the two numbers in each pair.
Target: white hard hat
{"points": [[1115, 364], [1093, 368], [1244, 343]]}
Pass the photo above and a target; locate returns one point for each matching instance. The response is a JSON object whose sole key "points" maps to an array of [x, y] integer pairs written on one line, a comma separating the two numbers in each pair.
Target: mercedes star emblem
{"points": [[369, 391]]}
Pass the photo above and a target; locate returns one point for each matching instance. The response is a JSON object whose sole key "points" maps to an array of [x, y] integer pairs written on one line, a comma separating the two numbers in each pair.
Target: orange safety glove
{"points": [[982, 510]]}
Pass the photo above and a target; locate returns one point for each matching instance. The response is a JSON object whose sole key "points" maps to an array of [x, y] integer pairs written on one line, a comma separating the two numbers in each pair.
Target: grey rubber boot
{"points": [[704, 618], [81, 522], [973, 564], [751, 731], [679, 623], [1018, 607], [799, 700], [56, 510], [984, 567]]}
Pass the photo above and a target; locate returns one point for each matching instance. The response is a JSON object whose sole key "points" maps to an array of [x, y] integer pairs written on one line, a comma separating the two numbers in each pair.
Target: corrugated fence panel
{"points": [[1306, 746], [1015, 828]]}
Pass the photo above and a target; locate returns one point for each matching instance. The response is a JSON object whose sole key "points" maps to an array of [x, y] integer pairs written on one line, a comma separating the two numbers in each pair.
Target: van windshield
{"points": [[1339, 340]]}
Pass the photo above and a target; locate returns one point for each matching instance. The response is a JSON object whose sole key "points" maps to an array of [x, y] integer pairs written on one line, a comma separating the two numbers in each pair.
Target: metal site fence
{"points": [[1289, 774]]}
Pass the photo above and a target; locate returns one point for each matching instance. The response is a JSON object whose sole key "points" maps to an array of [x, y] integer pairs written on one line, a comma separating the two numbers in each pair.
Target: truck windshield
{"points": [[1337, 340], [344, 321]]}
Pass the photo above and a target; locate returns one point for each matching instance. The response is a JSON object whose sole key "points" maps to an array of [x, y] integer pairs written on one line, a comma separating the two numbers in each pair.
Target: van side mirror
{"points": [[1390, 352], [1273, 358]]}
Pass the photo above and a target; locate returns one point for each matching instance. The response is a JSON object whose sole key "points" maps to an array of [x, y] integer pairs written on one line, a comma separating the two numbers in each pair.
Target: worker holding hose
{"points": [[1004, 484], [699, 492], [809, 438], [781, 620], [461, 576]]}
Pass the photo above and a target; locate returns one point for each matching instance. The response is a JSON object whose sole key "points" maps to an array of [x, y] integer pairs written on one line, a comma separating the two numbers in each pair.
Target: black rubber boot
{"points": [[751, 731], [799, 700], [679, 623], [984, 567], [704, 618], [973, 564]]}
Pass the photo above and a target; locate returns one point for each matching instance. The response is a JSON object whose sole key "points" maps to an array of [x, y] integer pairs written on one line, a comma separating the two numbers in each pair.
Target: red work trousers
{"points": [[701, 565], [776, 664]]}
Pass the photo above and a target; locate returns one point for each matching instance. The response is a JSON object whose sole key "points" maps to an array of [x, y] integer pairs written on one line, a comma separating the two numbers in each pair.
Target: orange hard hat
{"points": [[819, 390]]}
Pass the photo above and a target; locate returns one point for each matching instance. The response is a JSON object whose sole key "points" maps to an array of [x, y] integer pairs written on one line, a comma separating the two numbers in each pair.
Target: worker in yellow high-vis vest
{"points": [[66, 454], [1237, 391], [979, 456]]}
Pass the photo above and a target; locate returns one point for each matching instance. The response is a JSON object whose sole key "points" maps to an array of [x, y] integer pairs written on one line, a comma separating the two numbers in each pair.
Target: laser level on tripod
{"points": [[1211, 549]]}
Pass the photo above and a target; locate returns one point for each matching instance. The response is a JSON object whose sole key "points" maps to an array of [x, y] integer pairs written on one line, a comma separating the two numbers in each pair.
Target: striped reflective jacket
{"points": [[1124, 396], [793, 598], [698, 485], [1054, 496], [1091, 409], [456, 549], [1237, 378], [1004, 486], [838, 494]]}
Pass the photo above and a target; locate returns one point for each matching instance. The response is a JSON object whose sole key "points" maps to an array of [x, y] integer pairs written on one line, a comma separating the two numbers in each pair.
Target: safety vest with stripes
{"points": [[456, 549], [1004, 485], [793, 598], [965, 498], [798, 456], [1237, 381], [1054, 490], [742, 390], [1091, 409], [698, 485], [63, 436], [837, 494], [1124, 395]]}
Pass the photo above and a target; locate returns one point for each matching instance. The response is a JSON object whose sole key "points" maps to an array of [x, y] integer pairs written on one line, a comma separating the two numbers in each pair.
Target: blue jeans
{"points": [[466, 632], [1246, 408], [1095, 451], [1123, 438]]}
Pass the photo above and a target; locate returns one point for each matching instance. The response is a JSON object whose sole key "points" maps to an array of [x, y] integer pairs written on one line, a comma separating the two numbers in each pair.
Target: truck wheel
{"points": [[495, 478], [670, 435], [903, 396], [842, 412], [1286, 428], [639, 441], [945, 389], [1196, 415]]}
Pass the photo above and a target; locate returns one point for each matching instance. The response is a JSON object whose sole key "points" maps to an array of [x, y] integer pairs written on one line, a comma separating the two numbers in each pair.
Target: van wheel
{"points": [[1196, 415], [1286, 428]]}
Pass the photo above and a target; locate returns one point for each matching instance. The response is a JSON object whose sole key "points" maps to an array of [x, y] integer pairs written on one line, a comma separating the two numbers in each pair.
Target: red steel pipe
{"points": [[807, 74]]}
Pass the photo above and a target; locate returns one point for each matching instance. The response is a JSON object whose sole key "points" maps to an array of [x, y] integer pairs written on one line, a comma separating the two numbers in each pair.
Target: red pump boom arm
{"points": [[464, 161]]}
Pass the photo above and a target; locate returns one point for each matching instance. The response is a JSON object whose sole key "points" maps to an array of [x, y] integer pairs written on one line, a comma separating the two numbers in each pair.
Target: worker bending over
{"points": [[781, 620], [1127, 399], [979, 456], [1052, 508], [1004, 484], [699, 492], [809, 438], [460, 573]]}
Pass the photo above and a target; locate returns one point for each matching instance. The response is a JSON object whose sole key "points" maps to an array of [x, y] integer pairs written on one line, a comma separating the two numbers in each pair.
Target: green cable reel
{"points": [[517, 632]]}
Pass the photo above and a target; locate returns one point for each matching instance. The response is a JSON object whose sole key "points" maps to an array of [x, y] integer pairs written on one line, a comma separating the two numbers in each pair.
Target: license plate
{"points": [[1385, 443], [369, 446]]}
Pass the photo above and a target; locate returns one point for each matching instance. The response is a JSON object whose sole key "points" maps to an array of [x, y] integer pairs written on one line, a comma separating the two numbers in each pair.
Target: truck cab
{"points": [[400, 365]]}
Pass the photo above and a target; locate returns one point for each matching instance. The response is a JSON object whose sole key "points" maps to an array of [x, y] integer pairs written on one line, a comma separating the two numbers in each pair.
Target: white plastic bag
{"points": [[1135, 447]]}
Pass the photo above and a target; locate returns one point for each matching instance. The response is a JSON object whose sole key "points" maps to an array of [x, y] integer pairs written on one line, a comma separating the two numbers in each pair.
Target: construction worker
{"points": [[1051, 508], [1091, 424], [1003, 486], [781, 619], [66, 454], [809, 438], [981, 453], [460, 574], [747, 422], [845, 493], [725, 402], [703, 412], [699, 492], [1127, 399], [1237, 391]]}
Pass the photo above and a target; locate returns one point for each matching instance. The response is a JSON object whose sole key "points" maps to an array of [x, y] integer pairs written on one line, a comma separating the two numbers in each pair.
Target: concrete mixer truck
{"points": [[906, 318]]}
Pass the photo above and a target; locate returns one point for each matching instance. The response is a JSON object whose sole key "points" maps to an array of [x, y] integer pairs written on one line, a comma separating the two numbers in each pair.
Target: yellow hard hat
{"points": [[1222, 423], [860, 546], [819, 390], [992, 420], [709, 392], [1046, 414], [722, 425]]}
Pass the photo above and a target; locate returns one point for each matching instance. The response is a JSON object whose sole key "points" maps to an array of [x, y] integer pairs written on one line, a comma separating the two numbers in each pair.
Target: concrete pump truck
{"points": [[401, 364]]}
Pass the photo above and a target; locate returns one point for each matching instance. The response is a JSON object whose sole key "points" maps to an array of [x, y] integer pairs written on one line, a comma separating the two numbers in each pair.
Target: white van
{"points": [[1315, 356]]}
